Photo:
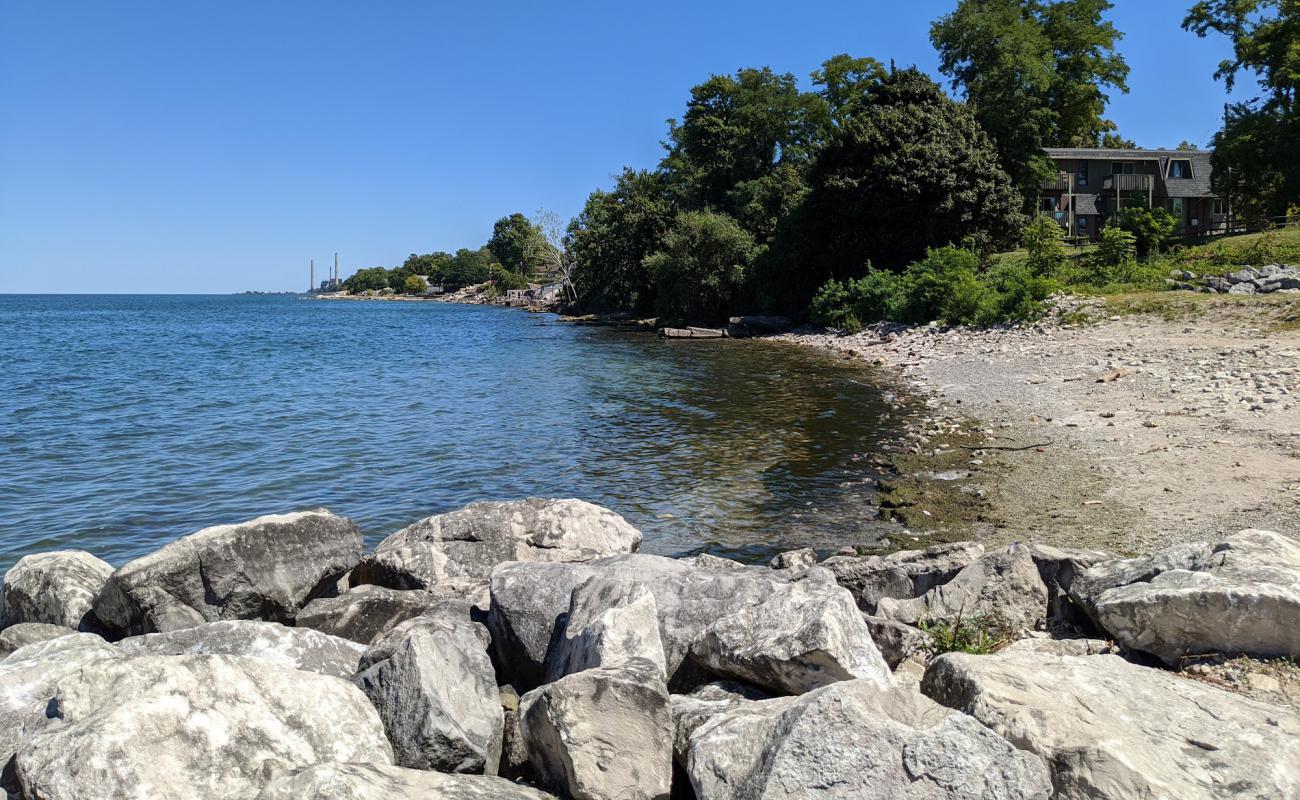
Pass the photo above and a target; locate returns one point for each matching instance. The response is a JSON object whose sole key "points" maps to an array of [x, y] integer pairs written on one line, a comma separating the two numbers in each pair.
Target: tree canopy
{"points": [[515, 243]]}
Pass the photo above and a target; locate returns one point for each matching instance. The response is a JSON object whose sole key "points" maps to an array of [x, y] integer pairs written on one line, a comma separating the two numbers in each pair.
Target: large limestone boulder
{"points": [[25, 633], [296, 648], [690, 711], [529, 599], [805, 636], [382, 782], [266, 568], [481, 535], [55, 588], [609, 622], [432, 682], [602, 734], [28, 677], [1058, 567], [364, 614], [1108, 729], [190, 726], [853, 739], [1003, 585], [418, 565], [1241, 595], [901, 575]]}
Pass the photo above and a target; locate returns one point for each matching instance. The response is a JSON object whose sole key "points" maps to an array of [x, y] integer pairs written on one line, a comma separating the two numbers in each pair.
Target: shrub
{"points": [[849, 304], [415, 285], [978, 634], [944, 286], [1150, 228], [1042, 239], [702, 267], [1115, 260], [1019, 291]]}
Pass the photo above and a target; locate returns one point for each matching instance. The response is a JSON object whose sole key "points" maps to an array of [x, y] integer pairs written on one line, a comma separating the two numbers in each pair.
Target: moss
{"points": [[939, 510]]}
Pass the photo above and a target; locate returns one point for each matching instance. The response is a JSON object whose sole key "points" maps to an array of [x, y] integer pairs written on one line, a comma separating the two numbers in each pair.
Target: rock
{"points": [[529, 599], [602, 733], [296, 648], [897, 641], [1242, 288], [1057, 568], [266, 568], [609, 622], [514, 751], [54, 588], [797, 639], [435, 690], [25, 633], [1002, 586], [1242, 276], [190, 726], [854, 739], [366, 613], [1060, 647], [28, 677], [1110, 729], [1240, 596], [481, 535], [419, 565], [690, 711], [752, 325], [794, 559], [382, 782], [904, 574], [710, 561]]}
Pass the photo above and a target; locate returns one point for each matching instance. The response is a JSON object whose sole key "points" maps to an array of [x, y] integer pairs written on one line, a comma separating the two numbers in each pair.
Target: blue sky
{"points": [[216, 147]]}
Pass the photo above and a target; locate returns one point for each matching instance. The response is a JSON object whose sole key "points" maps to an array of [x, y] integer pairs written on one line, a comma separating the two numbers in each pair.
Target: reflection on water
{"points": [[128, 421]]}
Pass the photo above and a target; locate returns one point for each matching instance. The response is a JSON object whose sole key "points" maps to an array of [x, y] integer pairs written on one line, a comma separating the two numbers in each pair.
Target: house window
{"points": [[1176, 207], [1082, 222], [1220, 207], [1049, 204], [1180, 168], [1081, 175], [1121, 168]]}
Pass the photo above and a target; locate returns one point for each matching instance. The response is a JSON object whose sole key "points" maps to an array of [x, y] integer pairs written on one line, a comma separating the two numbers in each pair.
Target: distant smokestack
{"points": [[336, 267]]}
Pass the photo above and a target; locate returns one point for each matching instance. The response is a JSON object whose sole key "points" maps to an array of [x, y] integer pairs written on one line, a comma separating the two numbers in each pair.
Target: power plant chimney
{"points": [[311, 284]]}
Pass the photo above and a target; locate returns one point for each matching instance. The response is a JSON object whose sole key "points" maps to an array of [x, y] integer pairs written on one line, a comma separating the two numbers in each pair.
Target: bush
{"points": [[702, 267], [850, 304], [1042, 240], [1115, 260], [1019, 291], [944, 286], [415, 285], [1150, 228], [978, 634]]}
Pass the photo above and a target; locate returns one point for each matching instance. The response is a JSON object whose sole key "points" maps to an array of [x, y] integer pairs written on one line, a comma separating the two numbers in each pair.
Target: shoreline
{"points": [[1124, 433]]}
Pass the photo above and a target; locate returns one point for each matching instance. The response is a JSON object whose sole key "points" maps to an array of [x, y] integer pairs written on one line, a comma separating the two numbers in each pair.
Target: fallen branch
{"points": [[1003, 447]]}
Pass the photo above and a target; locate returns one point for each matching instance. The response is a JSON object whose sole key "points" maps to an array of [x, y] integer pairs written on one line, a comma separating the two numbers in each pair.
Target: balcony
{"points": [[1127, 183], [1061, 183]]}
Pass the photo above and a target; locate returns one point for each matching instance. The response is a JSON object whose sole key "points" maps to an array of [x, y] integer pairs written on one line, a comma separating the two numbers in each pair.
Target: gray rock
{"points": [[190, 726], [514, 751], [296, 648], [799, 638], [419, 565], [266, 568], [1240, 596], [902, 575], [366, 613], [1061, 647], [897, 641], [690, 711], [1242, 276], [25, 633], [435, 690], [55, 588], [1058, 567], [1242, 288], [856, 740], [602, 734], [1108, 729], [794, 559], [382, 782], [609, 622], [28, 677], [481, 535], [1003, 586]]}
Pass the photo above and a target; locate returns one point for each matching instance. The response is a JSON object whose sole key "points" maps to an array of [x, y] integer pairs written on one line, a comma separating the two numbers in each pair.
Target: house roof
{"points": [[1196, 186]]}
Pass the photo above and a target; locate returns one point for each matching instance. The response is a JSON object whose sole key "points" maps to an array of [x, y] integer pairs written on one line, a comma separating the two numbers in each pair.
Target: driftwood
{"points": [[1003, 447]]}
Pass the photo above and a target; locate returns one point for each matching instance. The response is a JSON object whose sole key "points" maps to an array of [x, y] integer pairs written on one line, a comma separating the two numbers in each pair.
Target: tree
{"points": [[514, 242], [1113, 141], [415, 285], [1036, 73], [1186, 145], [469, 267], [366, 280], [1256, 161], [1150, 227], [552, 250], [1114, 259], [434, 265], [703, 266], [845, 82], [1042, 242], [610, 239], [911, 170]]}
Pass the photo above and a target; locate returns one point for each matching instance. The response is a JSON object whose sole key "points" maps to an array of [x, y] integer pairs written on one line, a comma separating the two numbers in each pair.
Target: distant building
{"points": [[331, 285], [1094, 183]]}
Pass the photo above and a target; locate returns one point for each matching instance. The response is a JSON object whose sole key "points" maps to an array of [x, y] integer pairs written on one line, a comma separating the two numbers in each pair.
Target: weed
{"points": [[977, 634]]}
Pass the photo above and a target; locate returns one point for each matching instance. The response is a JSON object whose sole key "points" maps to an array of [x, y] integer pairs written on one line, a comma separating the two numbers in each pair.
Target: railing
{"points": [[1061, 183], [1127, 183]]}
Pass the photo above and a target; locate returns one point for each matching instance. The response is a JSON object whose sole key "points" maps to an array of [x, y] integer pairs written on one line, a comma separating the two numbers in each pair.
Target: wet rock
{"points": [[296, 648], [366, 613], [56, 588], [799, 638], [190, 726], [435, 690], [904, 574], [609, 622], [1001, 586], [1108, 729], [602, 734], [1241, 595], [25, 633], [794, 559], [383, 782], [481, 535], [854, 739], [266, 568]]}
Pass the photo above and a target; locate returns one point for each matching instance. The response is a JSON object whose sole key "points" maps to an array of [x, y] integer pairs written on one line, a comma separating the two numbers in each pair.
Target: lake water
{"points": [[127, 421]]}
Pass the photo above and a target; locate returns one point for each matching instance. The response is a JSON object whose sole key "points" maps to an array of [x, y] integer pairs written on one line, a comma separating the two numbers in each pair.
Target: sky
{"points": [[165, 147]]}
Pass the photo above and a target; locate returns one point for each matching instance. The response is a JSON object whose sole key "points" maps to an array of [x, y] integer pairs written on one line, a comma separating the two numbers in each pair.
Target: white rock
{"points": [[296, 648], [55, 588], [609, 622], [1003, 585], [381, 782]]}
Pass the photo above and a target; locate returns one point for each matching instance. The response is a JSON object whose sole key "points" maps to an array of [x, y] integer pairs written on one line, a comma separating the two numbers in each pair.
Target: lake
{"points": [[127, 421]]}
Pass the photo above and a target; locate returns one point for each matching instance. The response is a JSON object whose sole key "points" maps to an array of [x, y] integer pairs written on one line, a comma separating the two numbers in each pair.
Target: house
{"points": [[1093, 183]]}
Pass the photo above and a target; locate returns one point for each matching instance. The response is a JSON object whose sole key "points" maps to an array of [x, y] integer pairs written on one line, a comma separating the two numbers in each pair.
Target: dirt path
{"points": [[1170, 417]]}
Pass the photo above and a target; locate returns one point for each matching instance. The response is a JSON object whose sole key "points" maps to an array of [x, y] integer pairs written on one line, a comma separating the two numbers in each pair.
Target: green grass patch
{"points": [[977, 634]]}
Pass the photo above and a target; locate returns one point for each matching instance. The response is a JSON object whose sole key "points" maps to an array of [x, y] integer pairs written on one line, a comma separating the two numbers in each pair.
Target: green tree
{"points": [[1113, 141], [515, 242], [470, 267], [1042, 241], [845, 82], [434, 265], [1036, 73], [365, 280], [702, 268], [415, 285], [1256, 160], [1150, 227], [1115, 257], [1186, 145], [610, 239]]}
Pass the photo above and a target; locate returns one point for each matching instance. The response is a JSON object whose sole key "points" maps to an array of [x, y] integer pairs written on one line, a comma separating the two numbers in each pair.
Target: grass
{"points": [[977, 634]]}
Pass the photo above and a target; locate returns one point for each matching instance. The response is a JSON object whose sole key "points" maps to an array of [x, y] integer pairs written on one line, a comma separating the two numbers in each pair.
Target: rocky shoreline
{"points": [[523, 649]]}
